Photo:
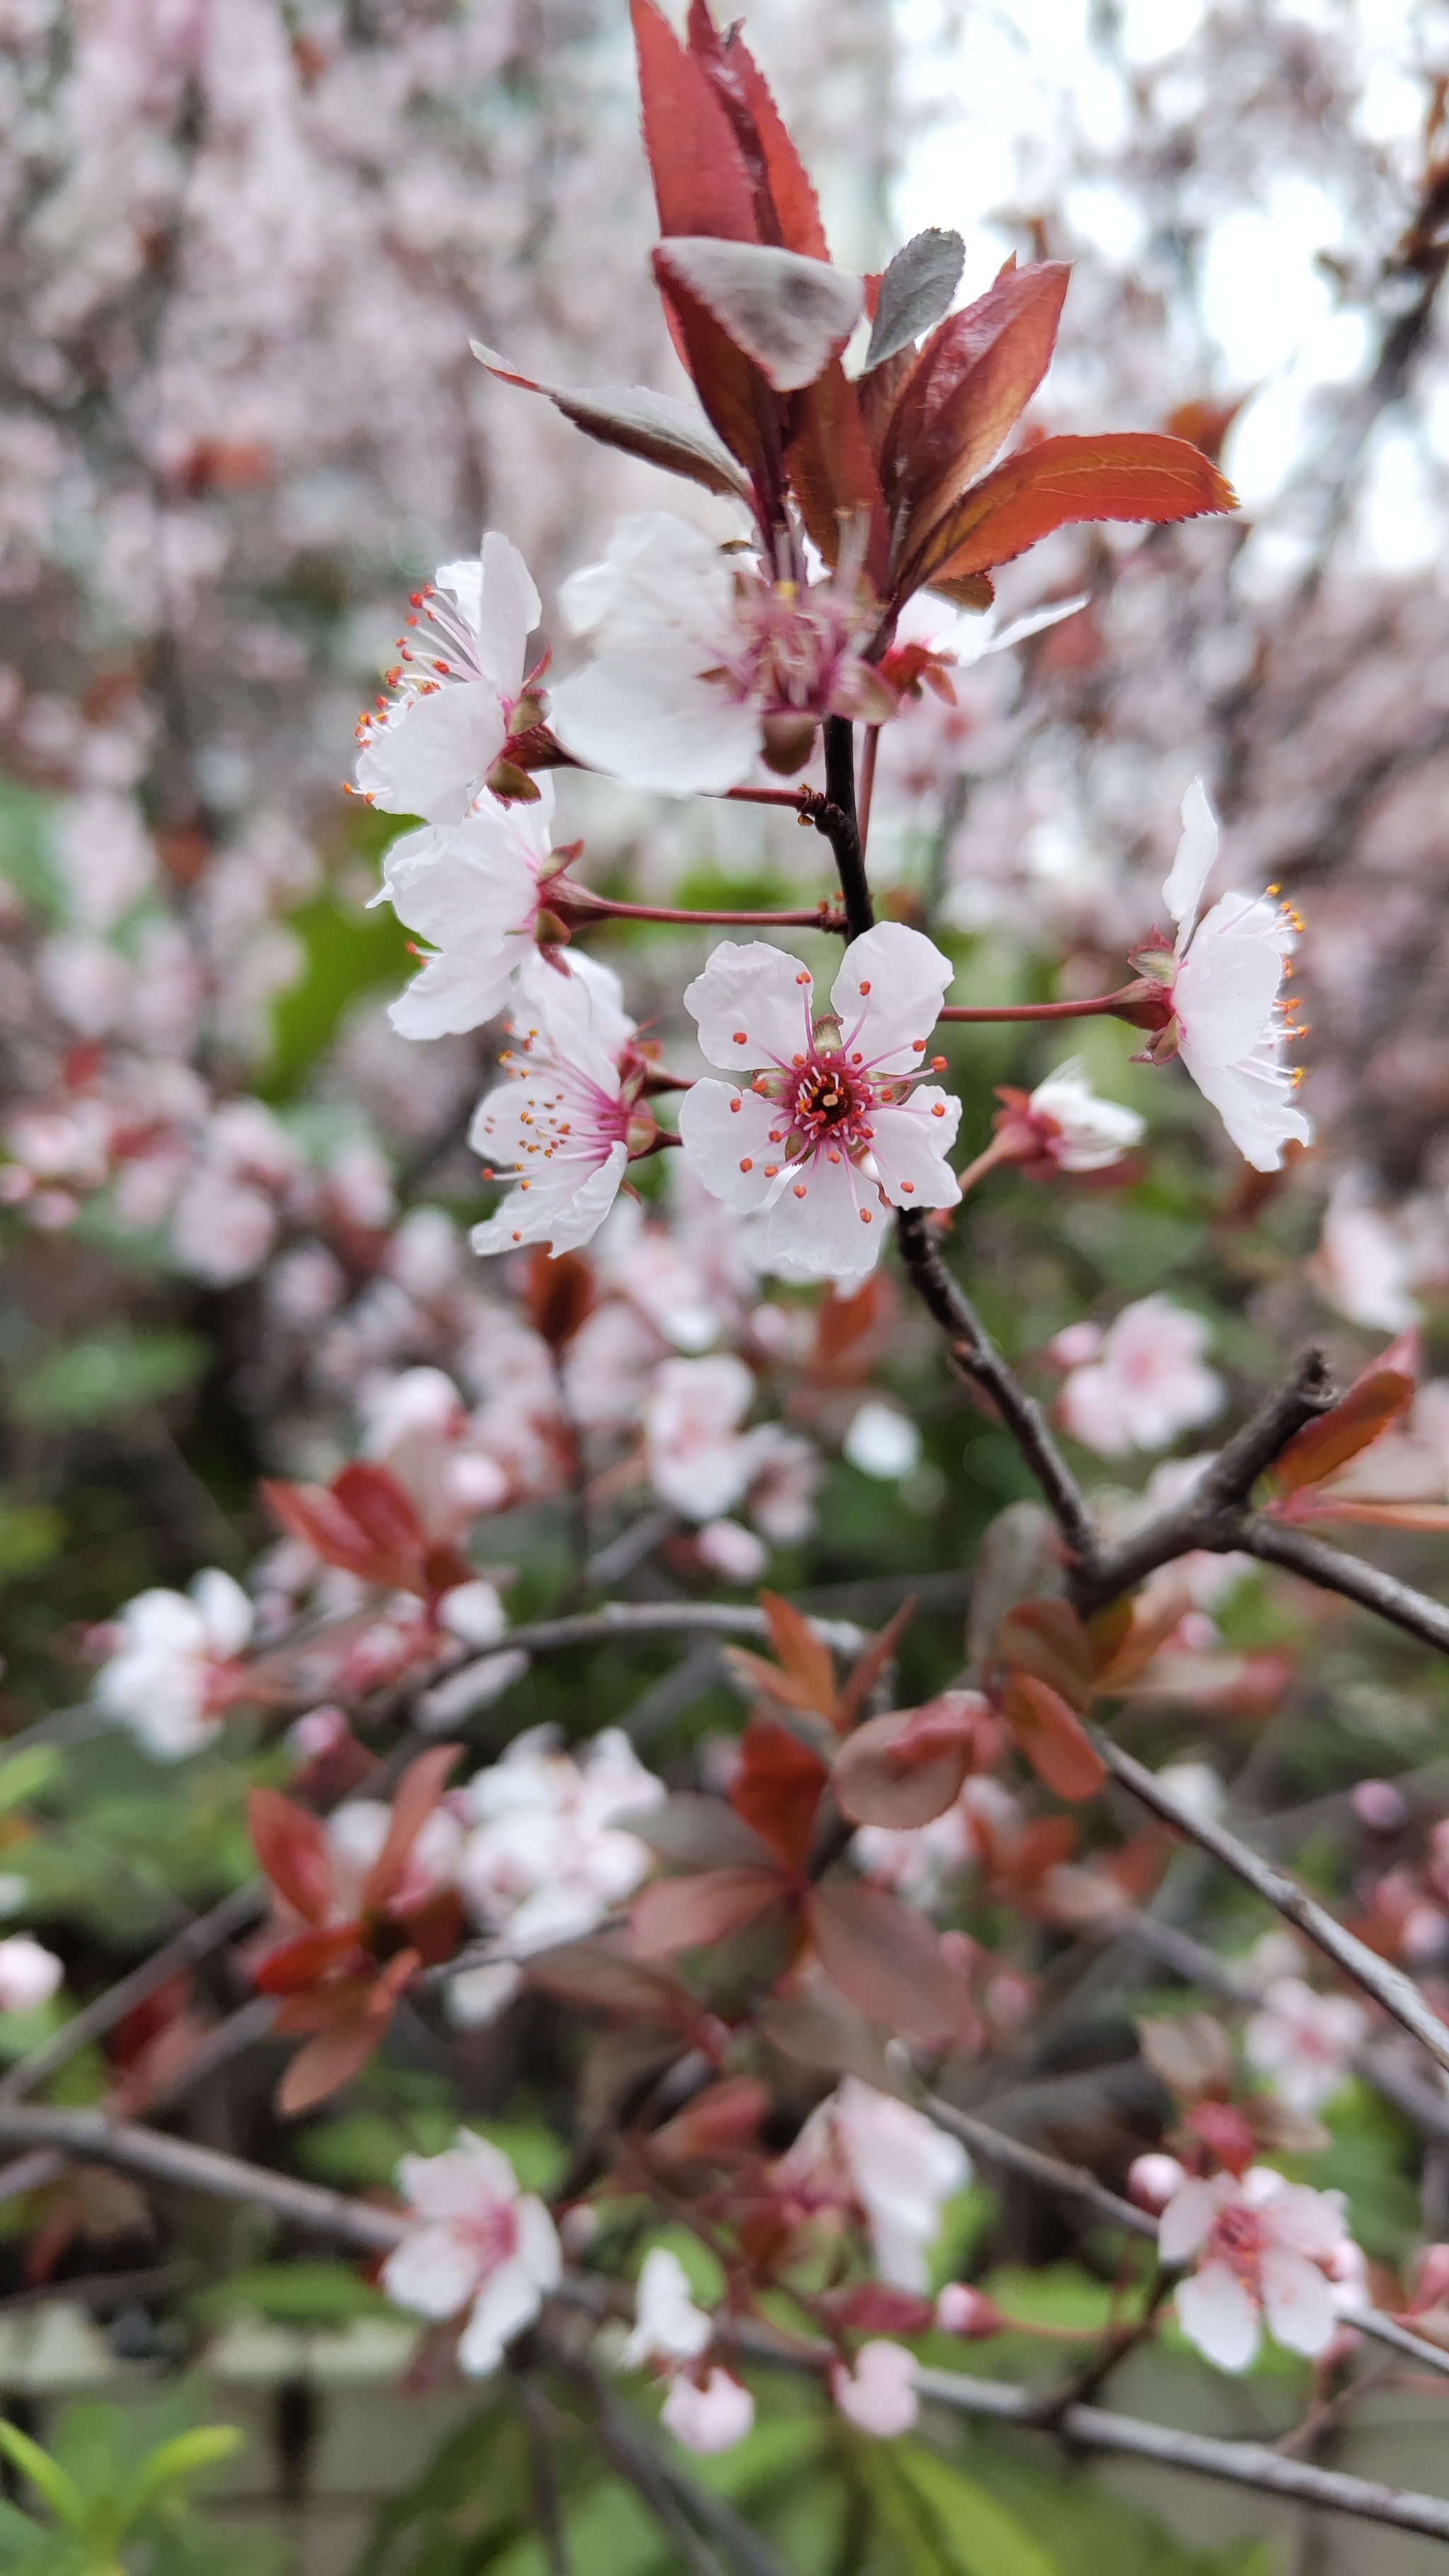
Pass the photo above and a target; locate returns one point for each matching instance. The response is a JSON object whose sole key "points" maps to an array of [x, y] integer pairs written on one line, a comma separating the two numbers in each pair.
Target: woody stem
{"points": [[867, 781], [1098, 1005], [837, 820]]}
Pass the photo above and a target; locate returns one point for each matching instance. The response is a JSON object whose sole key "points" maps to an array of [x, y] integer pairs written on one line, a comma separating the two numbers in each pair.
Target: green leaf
{"points": [[348, 954], [318, 2295], [981, 2537], [46, 2475], [181, 2457], [27, 1774], [31, 1535], [108, 1375]]}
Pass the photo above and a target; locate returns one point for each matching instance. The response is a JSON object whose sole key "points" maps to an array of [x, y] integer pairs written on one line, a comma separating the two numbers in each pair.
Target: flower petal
{"points": [[835, 1230], [434, 2271], [909, 1145], [509, 2300], [646, 716], [888, 994], [723, 1130], [1216, 2313], [753, 1004], [1297, 2301], [431, 754], [1191, 868]]}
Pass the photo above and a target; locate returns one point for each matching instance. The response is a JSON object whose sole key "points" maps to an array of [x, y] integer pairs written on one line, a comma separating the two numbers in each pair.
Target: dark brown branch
{"points": [[1335, 1571], [836, 818], [1387, 1985], [1211, 1516], [1064, 2181], [93, 2138]]}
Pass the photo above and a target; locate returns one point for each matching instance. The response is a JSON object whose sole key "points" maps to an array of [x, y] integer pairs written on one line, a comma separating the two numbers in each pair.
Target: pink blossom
{"points": [[560, 1127], [699, 1460], [470, 888], [704, 660], [473, 2236], [549, 1852], [787, 1470], [668, 2327], [1148, 1382], [429, 750], [1365, 1264], [881, 1441], [175, 1672], [1153, 2180], [1304, 2042], [879, 2395], [29, 1974], [708, 2416], [863, 2146], [730, 1551], [960, 2310], [834, 1124], [1224, 978], [1265, 2248], [1062, 1125]]}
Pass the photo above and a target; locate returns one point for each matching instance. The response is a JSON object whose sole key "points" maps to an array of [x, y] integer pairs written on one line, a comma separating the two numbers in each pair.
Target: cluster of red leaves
{"points": [[340, 1978], [367, 1523], [1303, 1476]]}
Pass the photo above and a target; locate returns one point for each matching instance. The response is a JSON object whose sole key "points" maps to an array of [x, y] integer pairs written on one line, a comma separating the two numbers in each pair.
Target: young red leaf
{"points": [[914, 293], [874, 2308], [329, 2061], [383, 1509], [866, 1671], [313, 1514], [604, 1974], [639, 422], [1047, 1638], [301, 1964], [723, 2120], [778, 1788], [292, 1849], [786, 208], [789, 315], [889, 1963], [832, 472], [701, 1832], [1124, 475], [747, 415], [417, 1794], [1051, 1736], [801, 1649], [967, 391], [688, 1913], [902, 1769], [1375, 1399], [701, 184]]}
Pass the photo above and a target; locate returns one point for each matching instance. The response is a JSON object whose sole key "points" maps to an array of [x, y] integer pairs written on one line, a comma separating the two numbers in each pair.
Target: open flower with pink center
{"points": [[706, 660], [428, 748], [473, 2236], [836, 1123], [562, 1125], [472, 889], [1224, 979], [1303, 2042], [1268, 2254], [1142, 1382], [864, 2149]]}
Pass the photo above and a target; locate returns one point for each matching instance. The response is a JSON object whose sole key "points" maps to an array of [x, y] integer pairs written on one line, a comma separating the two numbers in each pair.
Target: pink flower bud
{"points": [[1152, 2181], [1377, 1804], [879, 2395], [960, 2310], [711, 2418]]}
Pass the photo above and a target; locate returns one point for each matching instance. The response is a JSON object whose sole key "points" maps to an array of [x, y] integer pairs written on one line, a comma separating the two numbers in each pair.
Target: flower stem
{"points": [[588, 903], [1094, 1008], [1000, 1150]]}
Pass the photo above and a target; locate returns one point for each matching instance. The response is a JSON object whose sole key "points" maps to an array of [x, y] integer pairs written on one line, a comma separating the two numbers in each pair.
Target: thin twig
{"points": [[1067, 2182], [93, 2137], [1351, 1576], [1388, 1986], [636, 2460], [659, 1619], [1389, 2330], [538, 2429], [235, 1913]]}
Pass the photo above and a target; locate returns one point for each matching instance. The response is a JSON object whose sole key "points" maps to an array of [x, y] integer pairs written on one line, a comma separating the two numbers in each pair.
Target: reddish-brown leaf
{"points": [[302, 1963], [789, 316], [1126, 474], [701, 1832], [771, 156], [745, 412], [383, 1509], [292, 1849], [328, 2062], [1051, 1736], [866, 1671], [1378, 1397], [874, 2308], [314, 1515], [604, 1974], [778, 1787], [1046, 1637], [435, 1928], [967, 391], [801, 1649], [635, 420], [687, 1913], [721, 2121], [902, 1769], [559, 1295], [417, 1794], [832, 472], [887, 1962], [701, 184]]}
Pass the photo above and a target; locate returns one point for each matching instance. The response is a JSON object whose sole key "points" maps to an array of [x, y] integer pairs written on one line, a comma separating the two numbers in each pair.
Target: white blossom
{"points": [[1265, 2248], [29, 1973], [173, 1674], [558, 1126], [1303, 2042], [470, 888], [547, 1856], [1140, 1383], [473, 2236], [429, 750]]}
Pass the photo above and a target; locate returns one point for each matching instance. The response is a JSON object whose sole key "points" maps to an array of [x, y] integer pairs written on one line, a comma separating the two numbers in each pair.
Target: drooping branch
{"points": [[1387, 1985], [1050, 2173]]}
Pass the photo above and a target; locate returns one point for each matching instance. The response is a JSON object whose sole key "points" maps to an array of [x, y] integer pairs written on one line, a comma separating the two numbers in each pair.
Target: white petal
{"points": [[456, 993], [1192, 866], [662, 579], [1217, 2314], [433, 2271], [1257, 1109], [1186, 2219], [1228, 981], [836, 1230], [470, 2175], [712, 2418], [578, 1005], [907, 976], [649, 716], [1297, 2301], [536, 1218], [457, 881], [909, 1145], [721, 1129], [538, 2245], [432, 754], [509, 2300], [753, 1004], [509, 609], [225, 1610]]}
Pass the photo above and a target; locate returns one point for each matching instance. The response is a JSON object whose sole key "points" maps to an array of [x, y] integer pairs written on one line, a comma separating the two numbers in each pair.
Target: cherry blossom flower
{"points": [[473, 2236], [862, 2145], [732, 1551], [1303, 2042], [429, 749], [1140, 1383], [879, 2395], [960, 2310], [668, 2327], [29, 1974], [174, 1673], [709, 2415], [704, 660], [882, 1441], [1365, 1264], [1223, 981], [835, 1123], [1063, 1127], [471, 888], [1265, 2248], [561, 1127], [547, 1857], [1155, 2179], [700, 1462]]}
